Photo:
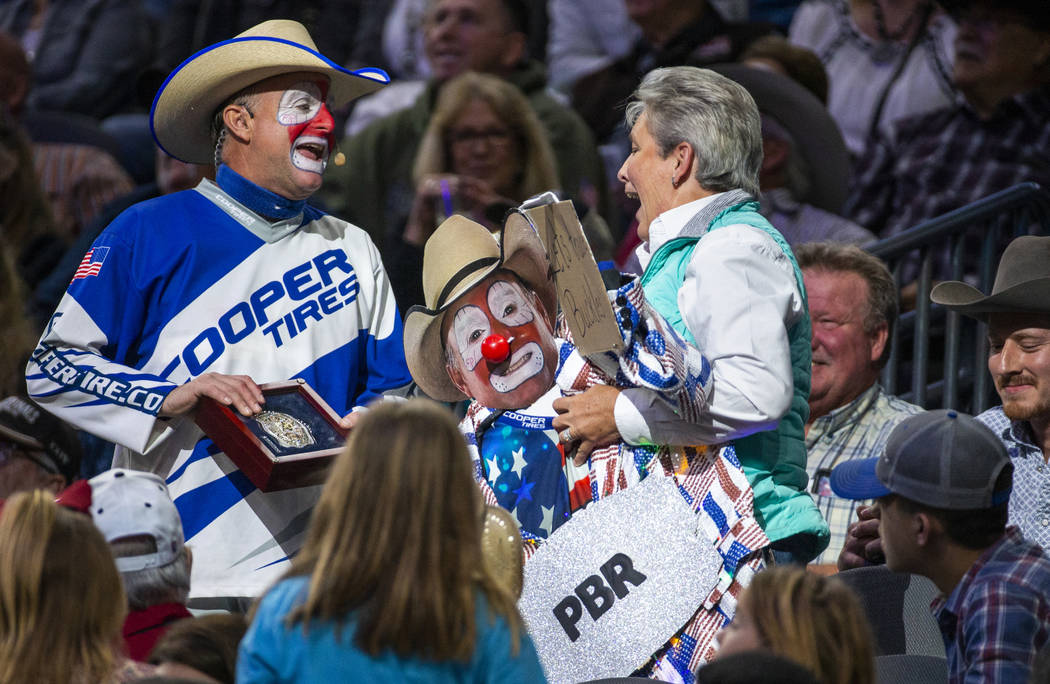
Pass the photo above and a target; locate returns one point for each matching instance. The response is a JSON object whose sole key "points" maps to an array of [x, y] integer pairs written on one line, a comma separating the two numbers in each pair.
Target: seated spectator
{"points": [[943, 489], [484, 152], [74, 163], [85, 55], [997, 135], [335, 25], [390, 584], [886, 60], [774, 53], [37, 450], [815, 621], [27, 227], [478, 289], [202, 648], [674, 33], [805, 167], [135, 514], [375, 189], [853, 304], [586, 37], [171, 175], [1017, 313], [60, 597]]}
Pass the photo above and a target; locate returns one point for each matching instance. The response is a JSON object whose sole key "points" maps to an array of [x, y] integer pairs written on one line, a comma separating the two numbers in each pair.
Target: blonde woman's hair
{"points": [[816, 621], [538, 173], [396, 539], [61, 601]]}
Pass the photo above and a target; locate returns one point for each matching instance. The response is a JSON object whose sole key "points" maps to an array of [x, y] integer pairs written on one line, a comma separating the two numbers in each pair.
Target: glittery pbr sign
{"points": [[616, 581]]}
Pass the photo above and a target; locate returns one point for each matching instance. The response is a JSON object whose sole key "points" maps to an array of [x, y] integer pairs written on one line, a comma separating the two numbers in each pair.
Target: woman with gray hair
{"points": [[727, 281]]}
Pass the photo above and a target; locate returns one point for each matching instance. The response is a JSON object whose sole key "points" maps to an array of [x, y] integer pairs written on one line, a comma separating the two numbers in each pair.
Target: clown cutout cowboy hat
{"points": [[186, 102], [458, 256]]}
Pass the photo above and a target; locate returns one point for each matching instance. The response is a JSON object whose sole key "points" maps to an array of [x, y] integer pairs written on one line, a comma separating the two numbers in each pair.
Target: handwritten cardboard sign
{"points": [[616, 581], [581, 291]]}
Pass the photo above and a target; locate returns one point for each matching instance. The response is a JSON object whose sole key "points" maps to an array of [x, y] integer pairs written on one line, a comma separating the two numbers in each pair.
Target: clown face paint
{"points": [[303, 111], [499, 305]]}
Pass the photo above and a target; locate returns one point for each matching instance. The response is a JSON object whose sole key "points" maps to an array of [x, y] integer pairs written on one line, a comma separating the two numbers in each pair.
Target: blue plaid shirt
{"points": [[1030, 498], [998, 616]]}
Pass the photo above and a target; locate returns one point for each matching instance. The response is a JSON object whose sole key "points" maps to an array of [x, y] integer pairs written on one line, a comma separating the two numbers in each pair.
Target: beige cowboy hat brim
{"points": [[185, 104], [1022, 283], [457, 257]]}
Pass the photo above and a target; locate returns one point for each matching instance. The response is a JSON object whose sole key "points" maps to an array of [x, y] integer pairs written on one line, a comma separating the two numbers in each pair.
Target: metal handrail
{"points": [[939, 248]]}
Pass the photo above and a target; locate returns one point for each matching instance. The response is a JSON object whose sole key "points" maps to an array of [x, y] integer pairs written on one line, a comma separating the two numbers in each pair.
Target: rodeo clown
{"points": [[487, 334], [206, 292]]}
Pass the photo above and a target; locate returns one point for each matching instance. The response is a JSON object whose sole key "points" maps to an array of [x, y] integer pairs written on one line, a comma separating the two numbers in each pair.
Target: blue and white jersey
{"points": [[197, 282]]}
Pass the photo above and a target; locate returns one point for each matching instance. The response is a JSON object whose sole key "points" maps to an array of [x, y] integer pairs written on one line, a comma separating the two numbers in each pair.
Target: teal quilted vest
{"points": [[775, 460]]}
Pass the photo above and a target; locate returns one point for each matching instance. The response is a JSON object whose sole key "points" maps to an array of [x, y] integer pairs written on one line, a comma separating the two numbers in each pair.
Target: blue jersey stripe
{"points": [[200, 507]]}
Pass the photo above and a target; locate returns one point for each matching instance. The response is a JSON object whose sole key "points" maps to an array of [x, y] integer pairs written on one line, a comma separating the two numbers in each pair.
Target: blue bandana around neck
{"points": [[257, 198]]}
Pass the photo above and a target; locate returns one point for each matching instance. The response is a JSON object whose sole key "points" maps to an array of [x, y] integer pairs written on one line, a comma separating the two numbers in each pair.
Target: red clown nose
{"points": [[495, 348]]}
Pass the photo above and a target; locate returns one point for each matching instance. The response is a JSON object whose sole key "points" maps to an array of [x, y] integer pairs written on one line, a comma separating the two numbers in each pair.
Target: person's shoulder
{"points": [[335, 228], [818, 21], [994, 418], [149, 217], [924, 126], [1013, 566], [285, 595], [896, 408]]}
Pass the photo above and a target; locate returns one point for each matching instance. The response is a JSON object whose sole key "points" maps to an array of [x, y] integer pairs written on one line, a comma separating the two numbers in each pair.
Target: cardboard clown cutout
{"points": [[634, 559]]}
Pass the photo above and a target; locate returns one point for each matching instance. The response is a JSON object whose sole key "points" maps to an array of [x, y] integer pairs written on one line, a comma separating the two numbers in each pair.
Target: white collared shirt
{"points": [[738, 299]]}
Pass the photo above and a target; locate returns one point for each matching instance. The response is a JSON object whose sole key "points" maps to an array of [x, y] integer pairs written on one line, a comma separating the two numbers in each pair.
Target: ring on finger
{"points": [[565, 435]]}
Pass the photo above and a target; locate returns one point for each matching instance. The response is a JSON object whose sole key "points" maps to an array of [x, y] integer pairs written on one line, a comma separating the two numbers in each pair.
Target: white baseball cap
{"points": [[133, 503]]}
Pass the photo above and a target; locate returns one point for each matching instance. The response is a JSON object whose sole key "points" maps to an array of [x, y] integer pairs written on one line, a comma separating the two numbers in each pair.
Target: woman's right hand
{"points": [[422, 219], [465, 194]]}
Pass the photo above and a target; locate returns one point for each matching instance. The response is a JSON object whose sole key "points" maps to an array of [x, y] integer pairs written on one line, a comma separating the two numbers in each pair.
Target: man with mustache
{"points": [[209, 291], [1017, 313]]}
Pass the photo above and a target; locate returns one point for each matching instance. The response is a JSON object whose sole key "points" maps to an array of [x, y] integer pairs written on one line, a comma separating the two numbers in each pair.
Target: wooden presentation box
{"points": [[291, 443]]}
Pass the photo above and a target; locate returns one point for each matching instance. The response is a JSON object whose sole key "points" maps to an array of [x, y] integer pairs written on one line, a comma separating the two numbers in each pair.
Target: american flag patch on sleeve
{"points": [[92, 262]]}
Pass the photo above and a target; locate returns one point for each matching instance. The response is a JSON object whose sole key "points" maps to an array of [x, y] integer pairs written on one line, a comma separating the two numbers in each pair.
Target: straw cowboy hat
{"points": [[459, 255], [186, 102], [1022, 283], [817, 137]]}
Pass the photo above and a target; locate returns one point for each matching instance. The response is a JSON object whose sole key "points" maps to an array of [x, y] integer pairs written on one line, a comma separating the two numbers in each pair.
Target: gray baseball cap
{"points": [[943, 459]]}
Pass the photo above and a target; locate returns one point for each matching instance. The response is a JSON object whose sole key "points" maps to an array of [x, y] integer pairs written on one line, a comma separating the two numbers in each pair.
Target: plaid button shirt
{"points": [[998, 616], [948, 158], [1030, 498], [857, 430]]}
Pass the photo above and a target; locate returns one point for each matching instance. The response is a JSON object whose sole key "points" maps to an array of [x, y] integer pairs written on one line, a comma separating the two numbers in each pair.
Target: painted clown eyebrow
{"points": [[465, 323], [500, 295], [299, 103]]}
